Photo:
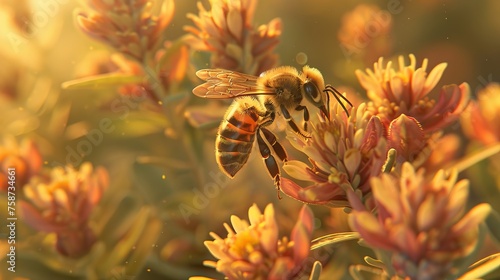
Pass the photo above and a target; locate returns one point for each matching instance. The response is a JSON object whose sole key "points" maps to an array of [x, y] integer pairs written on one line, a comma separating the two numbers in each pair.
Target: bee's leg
{"points": [[306, 115], [270, 161], [291, 122], [277, 147]]}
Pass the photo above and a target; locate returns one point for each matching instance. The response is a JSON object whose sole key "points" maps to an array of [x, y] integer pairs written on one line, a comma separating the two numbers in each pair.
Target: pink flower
{"points": [[254, 250], [226, 30], [407, 92], [420, 223], [63, 205], [345, 152]]}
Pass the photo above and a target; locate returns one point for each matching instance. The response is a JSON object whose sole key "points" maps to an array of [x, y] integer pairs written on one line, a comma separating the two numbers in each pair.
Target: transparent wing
{"points": [[222, 83]]}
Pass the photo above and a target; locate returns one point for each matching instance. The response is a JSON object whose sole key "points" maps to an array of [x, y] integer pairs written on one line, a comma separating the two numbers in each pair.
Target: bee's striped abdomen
{"points": [[235, 138]]}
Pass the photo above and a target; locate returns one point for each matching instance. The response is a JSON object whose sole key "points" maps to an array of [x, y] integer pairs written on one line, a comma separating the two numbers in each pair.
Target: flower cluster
{"points": [[345, 151], [227, 32], [254, 250], [127, 26], [421, 223], [63, 204], [402, 100], [24, 157], [406, 92]]}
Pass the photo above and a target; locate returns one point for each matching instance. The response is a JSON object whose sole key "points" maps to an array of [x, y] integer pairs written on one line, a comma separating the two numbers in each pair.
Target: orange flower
{"points": [[254, 251], [226, 31], [481, 120], [344, 151], [127, 26], [63, 206], [24, 158], [407, 92], [421, 224]]}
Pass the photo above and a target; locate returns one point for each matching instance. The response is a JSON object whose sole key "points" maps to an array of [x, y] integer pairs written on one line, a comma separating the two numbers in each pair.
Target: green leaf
{"points": [[492, 222], [119, 251], [164, 162], [474, 158], [140, 123], [334, 238], [482, 267], [122, 219], [101, 81], [143, 247], [374, 262], [316, 271]]}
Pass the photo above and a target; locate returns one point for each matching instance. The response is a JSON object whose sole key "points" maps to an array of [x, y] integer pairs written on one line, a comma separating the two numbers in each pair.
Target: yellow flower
{"points": [[63, 206], [406, 91], [227, 32], [254, 251], [420, 223], [24, 157], [344, 152], [127, 26], [481, 120]]}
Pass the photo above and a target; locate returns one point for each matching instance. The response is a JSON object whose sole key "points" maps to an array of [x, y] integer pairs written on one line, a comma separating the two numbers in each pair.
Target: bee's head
{"points": [[313, 88]]}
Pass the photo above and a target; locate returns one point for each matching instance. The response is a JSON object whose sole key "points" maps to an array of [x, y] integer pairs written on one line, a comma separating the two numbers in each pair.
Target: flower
{"points": [[127, 26], [366, 31], [226, 31], [344, 152], [480, 121], [407, 92], [24, 158], [63, 206], [254, 251], [420, 223]]}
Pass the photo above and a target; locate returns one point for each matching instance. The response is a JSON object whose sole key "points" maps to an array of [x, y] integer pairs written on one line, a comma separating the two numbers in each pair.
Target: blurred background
{"points": [[165, 191]]}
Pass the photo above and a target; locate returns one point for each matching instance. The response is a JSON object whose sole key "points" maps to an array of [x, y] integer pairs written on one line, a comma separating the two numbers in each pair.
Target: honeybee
{"points": [[257, 102]]}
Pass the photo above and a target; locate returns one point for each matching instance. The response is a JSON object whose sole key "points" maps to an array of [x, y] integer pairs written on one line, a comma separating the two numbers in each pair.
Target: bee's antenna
{"points": [[337, 94]]}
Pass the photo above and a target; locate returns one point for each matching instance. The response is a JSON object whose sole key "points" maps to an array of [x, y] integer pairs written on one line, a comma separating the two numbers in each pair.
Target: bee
{"points": [[257, 102]]}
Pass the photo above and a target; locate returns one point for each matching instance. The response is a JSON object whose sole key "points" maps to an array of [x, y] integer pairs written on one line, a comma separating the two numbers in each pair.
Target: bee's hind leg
{"points": [[269, 160]]}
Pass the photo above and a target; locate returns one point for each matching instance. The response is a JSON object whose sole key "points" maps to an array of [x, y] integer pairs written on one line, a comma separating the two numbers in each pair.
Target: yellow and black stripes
{"points": [[235, 138]]}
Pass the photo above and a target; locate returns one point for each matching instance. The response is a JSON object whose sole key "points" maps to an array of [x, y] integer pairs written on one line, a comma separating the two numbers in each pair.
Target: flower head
{"points": [[366, 31], [480, 121], [63, 206], [24, 158], [407, 92], [227, 32], [127, 26], [254, 250], [344, 152], [421, 223]]}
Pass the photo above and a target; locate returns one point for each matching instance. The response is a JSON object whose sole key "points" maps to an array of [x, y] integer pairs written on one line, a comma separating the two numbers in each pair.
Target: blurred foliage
{"points": [[166, 192]]}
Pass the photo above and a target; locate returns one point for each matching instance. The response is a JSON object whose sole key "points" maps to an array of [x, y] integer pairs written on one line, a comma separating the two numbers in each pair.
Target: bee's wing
{"points": [[222, 83]]}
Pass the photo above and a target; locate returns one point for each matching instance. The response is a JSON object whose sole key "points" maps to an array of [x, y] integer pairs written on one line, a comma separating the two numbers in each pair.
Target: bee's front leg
{"points": [[278, 149], [291, 122], [306, 114], [270, 161]]}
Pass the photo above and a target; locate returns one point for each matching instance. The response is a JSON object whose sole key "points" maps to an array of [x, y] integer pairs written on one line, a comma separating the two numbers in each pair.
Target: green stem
{"points": [[470, 160]]}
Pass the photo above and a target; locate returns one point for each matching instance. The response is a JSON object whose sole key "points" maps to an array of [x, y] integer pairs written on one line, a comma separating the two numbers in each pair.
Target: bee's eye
{"points": [[312, 92]]}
